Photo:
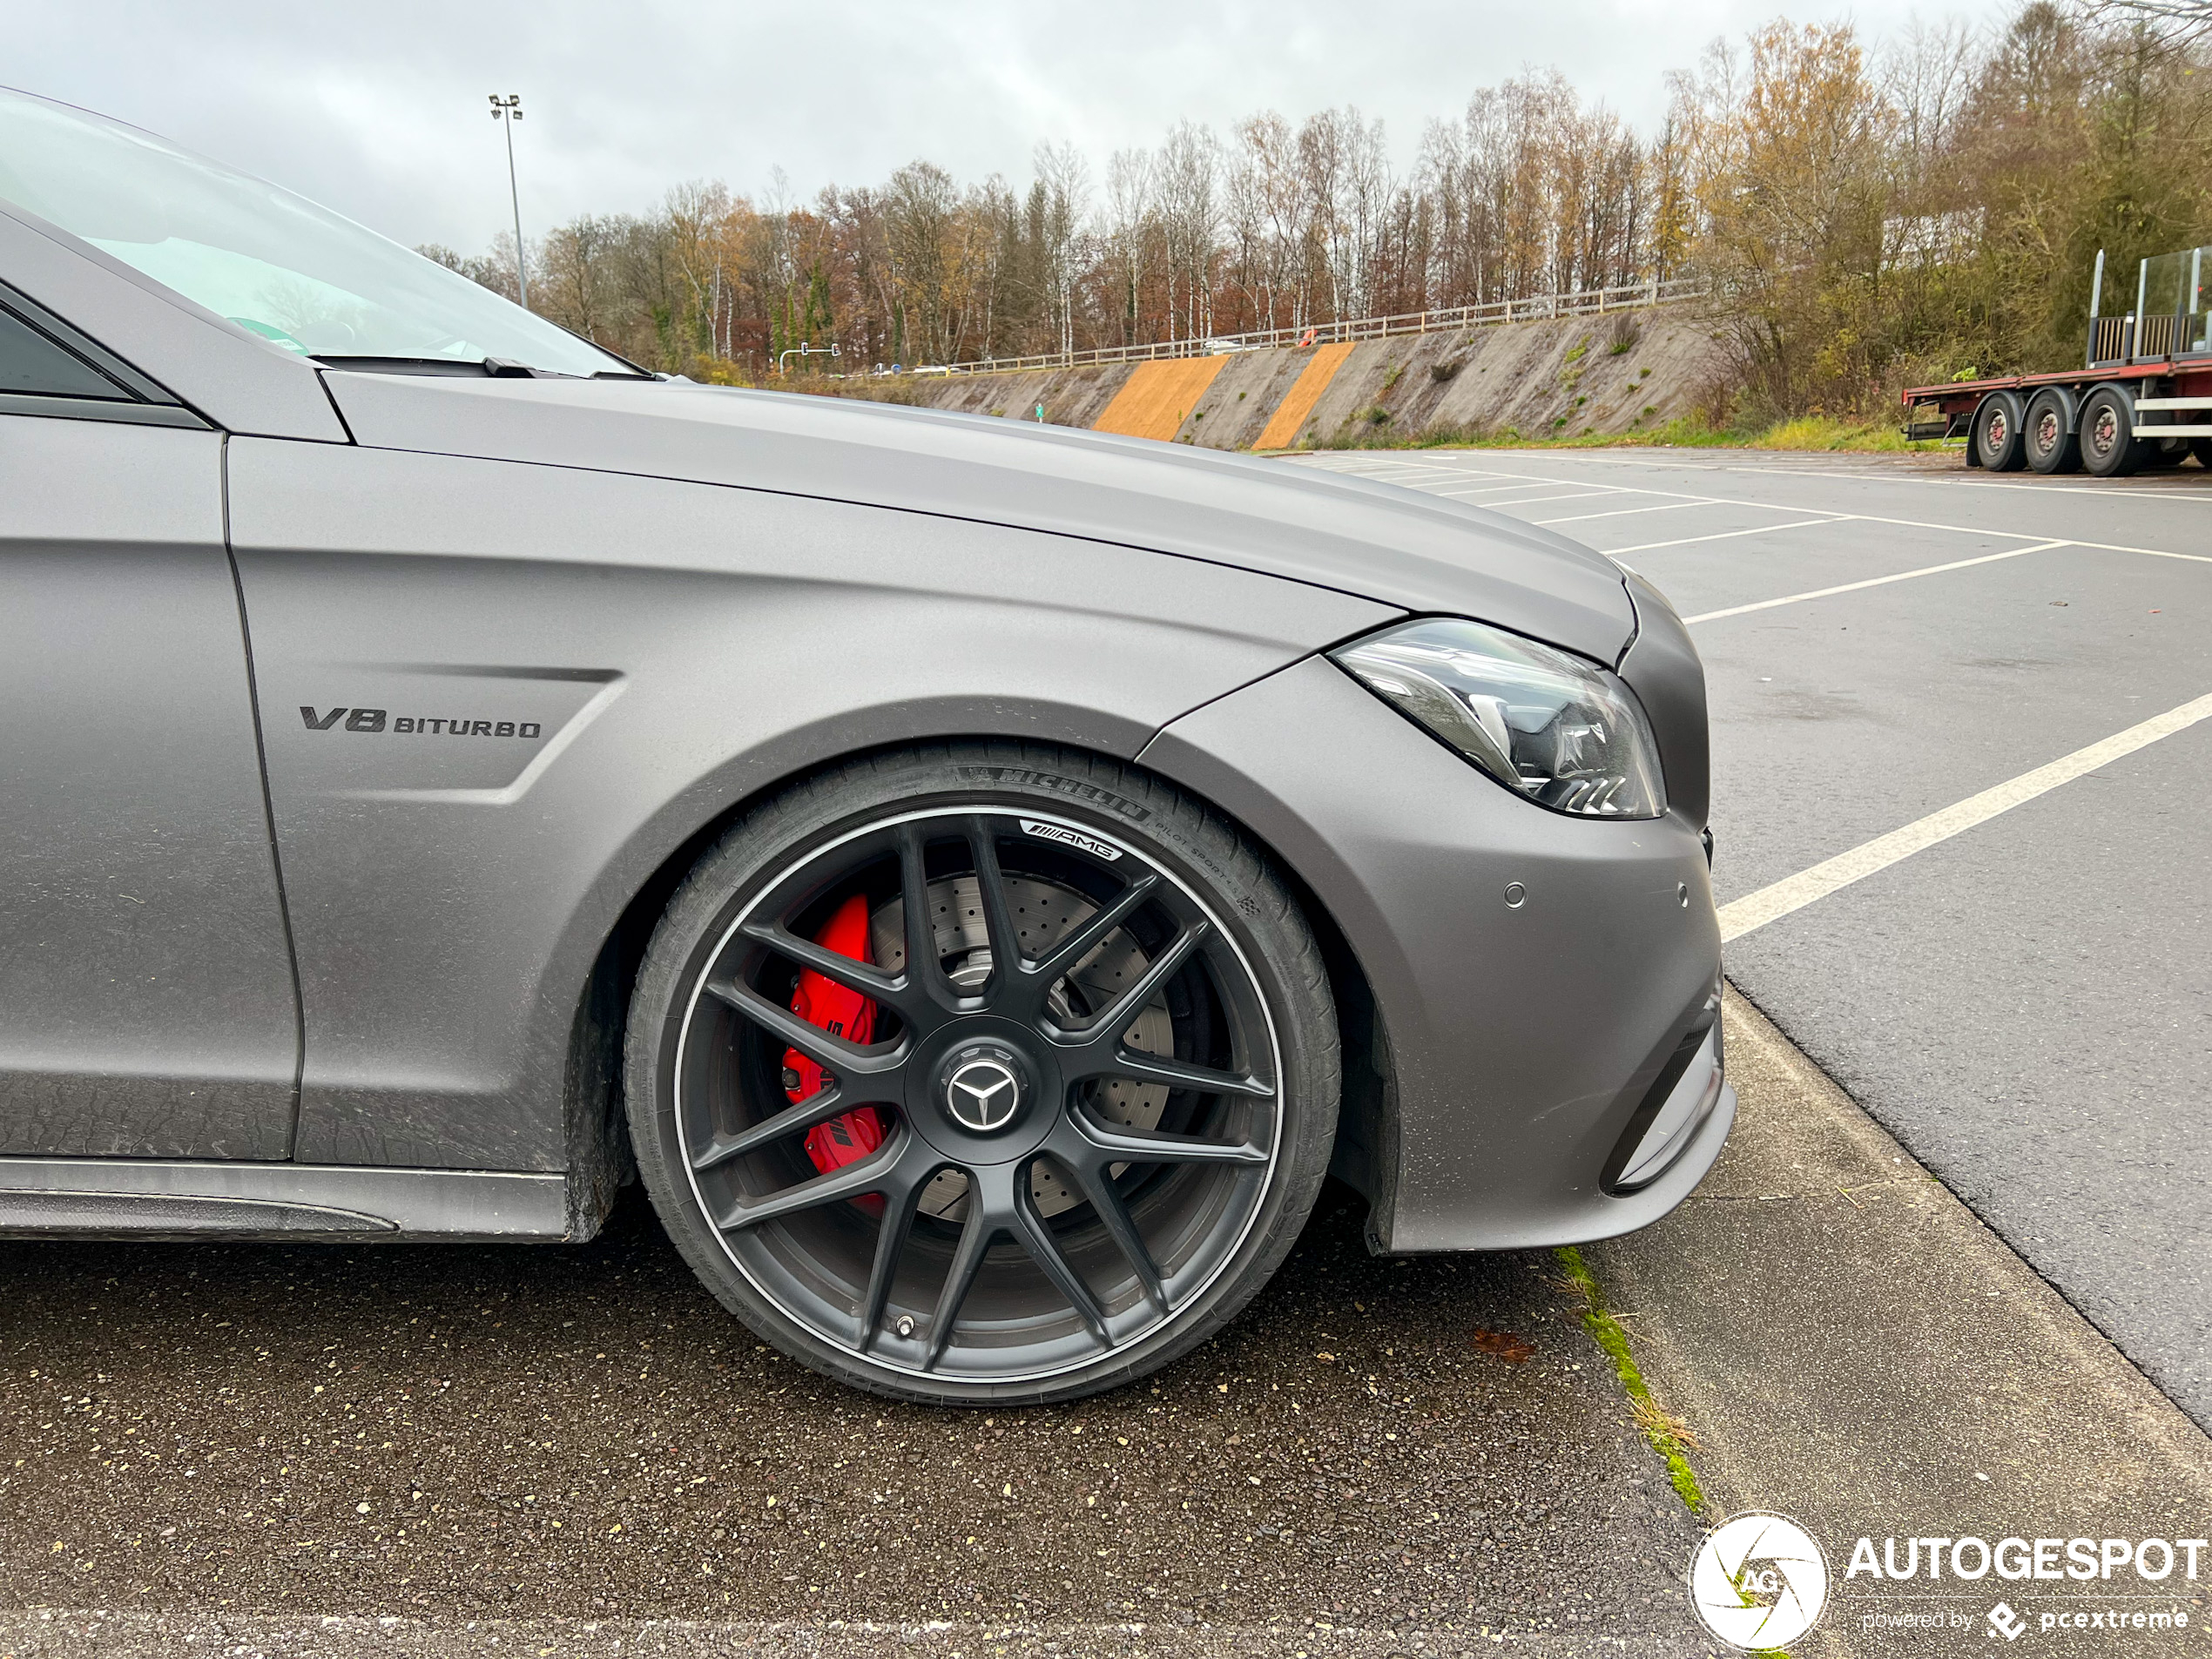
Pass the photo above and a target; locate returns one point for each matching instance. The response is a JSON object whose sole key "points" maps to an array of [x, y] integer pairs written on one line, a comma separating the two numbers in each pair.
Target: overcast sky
{"points": [[378, 110]]}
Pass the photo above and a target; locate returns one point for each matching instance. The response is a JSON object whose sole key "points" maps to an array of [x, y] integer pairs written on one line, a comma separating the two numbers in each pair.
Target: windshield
{"points": [[267, 259]]}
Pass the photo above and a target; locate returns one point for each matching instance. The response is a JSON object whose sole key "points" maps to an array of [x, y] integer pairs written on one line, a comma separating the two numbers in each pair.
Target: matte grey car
{"points": [[982, 877]]}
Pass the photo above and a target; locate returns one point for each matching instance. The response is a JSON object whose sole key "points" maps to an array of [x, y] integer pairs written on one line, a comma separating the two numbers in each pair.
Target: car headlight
{"points": [[1565, 732]]}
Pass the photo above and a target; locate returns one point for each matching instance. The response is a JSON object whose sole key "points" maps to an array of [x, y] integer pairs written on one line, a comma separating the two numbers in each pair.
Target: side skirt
{"points": [[206, 1198]]}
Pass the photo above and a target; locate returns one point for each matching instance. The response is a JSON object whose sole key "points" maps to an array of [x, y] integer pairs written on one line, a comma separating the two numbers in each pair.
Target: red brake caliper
{"points": [[842, 1012]]}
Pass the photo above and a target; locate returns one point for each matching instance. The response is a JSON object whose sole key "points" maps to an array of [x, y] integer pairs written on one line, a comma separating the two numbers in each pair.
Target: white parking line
{"points": [[1517, 480], [1874, 582], [1623, 512], [1393, 465], [1482, 490], [1464, 471], [1834, 517], [1729, 536], [1975, 530], [1538, 501], [1795, 892], [2182, 489], [1879, 518], [1611, 461]]}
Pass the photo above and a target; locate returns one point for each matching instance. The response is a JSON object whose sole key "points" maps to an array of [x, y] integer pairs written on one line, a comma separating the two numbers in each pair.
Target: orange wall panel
{"points": [[1289, 414], [1158, 397]]}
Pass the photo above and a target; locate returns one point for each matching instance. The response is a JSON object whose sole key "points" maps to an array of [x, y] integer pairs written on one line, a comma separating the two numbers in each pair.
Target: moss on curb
{"points": [[1663, 1432]]}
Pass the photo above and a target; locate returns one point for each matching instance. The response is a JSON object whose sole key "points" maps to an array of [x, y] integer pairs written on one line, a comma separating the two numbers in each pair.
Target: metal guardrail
{"points": [[1536, 309]]}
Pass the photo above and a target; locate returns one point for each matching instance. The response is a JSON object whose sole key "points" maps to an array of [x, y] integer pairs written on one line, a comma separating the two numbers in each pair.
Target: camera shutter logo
{"points": [[1758, 1581]]}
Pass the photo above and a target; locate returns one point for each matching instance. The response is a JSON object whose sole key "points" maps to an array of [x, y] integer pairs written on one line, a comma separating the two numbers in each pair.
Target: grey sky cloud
{"points": [[379, 111]]}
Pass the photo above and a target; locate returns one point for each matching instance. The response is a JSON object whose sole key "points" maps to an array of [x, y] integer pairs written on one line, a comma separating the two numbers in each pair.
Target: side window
{"points": [[47, 367], [33, 365]]}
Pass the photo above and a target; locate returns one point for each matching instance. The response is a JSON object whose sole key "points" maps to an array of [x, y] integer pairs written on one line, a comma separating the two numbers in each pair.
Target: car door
{"points": [[147, 1003]]}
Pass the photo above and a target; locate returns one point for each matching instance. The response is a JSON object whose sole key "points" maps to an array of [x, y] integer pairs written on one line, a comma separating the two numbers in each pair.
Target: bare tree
{"points": [[1189, 205], [2179, 20], [1130, 190], [1063, 180]]}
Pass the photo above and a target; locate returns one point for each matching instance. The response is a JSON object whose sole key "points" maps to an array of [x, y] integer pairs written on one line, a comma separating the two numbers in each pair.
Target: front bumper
{"points": [[1527, 1040]]}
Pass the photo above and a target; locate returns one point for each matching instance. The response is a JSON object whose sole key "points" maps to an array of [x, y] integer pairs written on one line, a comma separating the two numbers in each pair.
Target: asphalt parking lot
{"points": [[529, 1432], [2027, 1006]]}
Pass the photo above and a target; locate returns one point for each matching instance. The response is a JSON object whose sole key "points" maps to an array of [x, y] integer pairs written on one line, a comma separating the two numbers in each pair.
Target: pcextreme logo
{"points": [[1758, 1581]]}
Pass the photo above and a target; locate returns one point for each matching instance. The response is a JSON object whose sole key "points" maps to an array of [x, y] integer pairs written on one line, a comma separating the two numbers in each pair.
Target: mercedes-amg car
{"points": [[981, 877]]}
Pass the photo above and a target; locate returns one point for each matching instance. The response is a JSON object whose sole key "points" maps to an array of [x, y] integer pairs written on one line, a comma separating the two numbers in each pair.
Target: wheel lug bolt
{"points": [[906, 1325]]}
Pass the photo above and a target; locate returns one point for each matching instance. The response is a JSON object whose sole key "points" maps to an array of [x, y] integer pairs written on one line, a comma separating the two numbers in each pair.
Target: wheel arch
{"points": [[1366, 1153], [2069, 397]]}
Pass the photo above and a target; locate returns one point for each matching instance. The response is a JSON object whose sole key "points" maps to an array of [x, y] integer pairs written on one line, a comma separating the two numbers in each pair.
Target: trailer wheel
{"points": [[2201, 449], [2109, 446], [2052, 444], [1997, 433]]}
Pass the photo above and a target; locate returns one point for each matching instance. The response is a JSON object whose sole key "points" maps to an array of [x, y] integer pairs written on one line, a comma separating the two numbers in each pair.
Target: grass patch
{"points": [[1667, 1434], [1814, 433], [1823, 432]]}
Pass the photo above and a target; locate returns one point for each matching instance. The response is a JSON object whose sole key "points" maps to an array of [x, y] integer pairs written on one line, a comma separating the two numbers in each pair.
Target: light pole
{"points": [[508, 110]]}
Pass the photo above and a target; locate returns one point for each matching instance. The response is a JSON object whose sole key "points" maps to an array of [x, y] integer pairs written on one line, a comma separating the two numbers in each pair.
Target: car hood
{"points": [[1393, 546]]}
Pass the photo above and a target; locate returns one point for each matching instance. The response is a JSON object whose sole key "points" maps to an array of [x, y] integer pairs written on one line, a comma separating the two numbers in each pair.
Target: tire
{"points": [[2109, 448], [2164, 453], [1996, 433], [2052, 444], [989, 1228], [2201, 449]]}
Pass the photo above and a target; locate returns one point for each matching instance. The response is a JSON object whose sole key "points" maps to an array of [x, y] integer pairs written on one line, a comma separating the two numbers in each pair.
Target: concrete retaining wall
{"points": [[1629, 371]]}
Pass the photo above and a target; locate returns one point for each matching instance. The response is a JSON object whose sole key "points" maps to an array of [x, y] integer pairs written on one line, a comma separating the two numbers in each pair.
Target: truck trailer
{"points": [[2143, 397]]}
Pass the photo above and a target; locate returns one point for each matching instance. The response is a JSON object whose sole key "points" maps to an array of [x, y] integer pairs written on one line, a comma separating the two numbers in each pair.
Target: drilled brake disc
{"points": [[1043, 912]]}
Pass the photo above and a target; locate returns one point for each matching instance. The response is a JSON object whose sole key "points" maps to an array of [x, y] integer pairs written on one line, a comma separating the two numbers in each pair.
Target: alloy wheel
{"points": [[1073, 1081]]}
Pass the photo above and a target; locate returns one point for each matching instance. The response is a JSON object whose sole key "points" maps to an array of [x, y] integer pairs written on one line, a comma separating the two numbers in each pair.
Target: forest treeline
{"points": [[1868, 214]]}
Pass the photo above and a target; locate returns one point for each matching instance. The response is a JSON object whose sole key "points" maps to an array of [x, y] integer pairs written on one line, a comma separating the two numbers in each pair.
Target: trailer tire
{"points": [[2109, 446], [2052, 439], [1997, 428], [2201, 449]]}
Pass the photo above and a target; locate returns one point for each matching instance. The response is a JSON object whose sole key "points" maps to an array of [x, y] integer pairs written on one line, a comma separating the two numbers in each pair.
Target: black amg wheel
{"points": [[992, 1074]]}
